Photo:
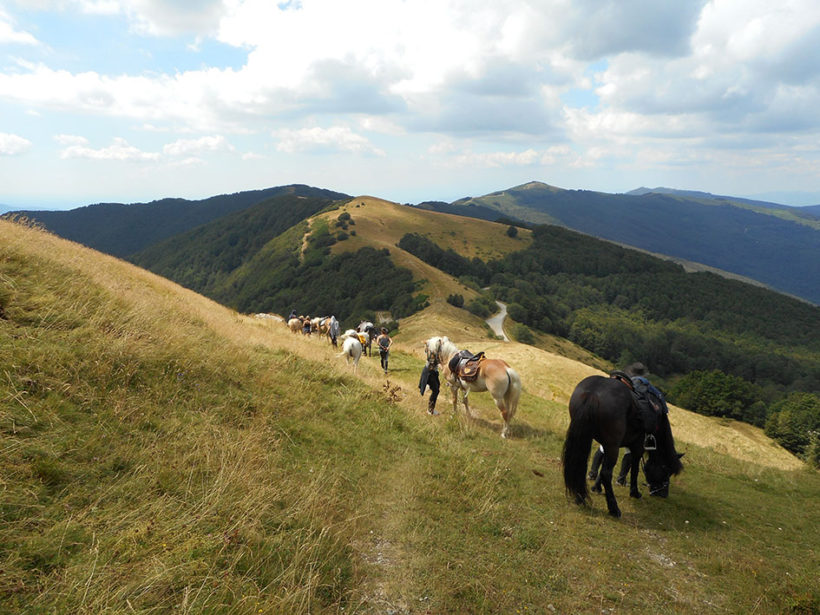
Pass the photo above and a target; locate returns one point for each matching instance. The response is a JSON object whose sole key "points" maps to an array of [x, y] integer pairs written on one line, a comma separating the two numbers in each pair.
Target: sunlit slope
{"points": [[381, 224], [551, 378], [161, 453]]}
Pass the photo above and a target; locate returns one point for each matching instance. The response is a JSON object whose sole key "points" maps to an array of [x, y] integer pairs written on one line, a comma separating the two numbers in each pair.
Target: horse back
{"points": [[605, 403]]}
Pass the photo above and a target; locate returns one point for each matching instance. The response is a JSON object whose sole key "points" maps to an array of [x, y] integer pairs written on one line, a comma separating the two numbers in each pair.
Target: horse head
{"points": [[658, 470], [432, 349]]}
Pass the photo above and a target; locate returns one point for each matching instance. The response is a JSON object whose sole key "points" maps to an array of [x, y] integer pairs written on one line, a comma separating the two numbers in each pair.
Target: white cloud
{"points": [[12, 145], [118, 150], [63, 139], [319, 140], [10, 35], [497, 159], [615, 82], [212, 143]]}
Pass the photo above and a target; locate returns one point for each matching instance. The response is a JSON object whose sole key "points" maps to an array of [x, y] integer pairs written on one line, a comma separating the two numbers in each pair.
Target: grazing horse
{"points": [[494, 375], [604, 409], [369, 329], [351, 348], [295, 325]]}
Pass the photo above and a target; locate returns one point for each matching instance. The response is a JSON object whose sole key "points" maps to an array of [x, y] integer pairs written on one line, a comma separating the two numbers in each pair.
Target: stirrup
{"points": [[649, 442]]}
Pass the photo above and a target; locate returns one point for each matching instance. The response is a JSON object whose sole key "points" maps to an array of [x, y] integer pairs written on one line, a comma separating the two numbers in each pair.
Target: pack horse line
{"points": [[619, 411]]}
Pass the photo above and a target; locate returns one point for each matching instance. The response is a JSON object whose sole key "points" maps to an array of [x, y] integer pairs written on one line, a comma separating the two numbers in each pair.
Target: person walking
{"points": [[385, 342], [429, 378]]}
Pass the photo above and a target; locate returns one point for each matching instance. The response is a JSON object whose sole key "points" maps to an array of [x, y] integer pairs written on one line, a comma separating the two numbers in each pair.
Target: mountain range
{"points": [[775, 245]]}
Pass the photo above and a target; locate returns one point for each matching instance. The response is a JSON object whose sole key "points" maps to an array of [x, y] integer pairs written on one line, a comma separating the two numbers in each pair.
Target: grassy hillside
{"points": [[777, 248], [162, 453], [204, 257], [121, 230], [381, 224]]}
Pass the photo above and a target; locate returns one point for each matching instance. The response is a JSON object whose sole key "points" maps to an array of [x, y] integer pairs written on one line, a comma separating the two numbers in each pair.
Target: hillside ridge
{"points": [[162, 452]]}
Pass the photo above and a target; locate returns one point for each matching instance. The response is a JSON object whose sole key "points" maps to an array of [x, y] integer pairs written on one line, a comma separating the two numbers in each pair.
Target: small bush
{"points": [[522, 334], [478, 307], [456, 300]]}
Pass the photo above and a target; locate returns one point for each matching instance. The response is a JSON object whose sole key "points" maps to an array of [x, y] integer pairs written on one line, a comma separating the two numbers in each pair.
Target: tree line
{"points": [[744, 347]]}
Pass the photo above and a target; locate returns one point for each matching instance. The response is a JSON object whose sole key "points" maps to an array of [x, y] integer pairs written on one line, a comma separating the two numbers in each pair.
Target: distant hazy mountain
{"points": [[121, 229], [774, 244]]}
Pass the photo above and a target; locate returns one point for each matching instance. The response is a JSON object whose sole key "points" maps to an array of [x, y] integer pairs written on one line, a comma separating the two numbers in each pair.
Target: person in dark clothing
{"points": [[598, 457], [385, 342], [429, 378], [651, 401]]}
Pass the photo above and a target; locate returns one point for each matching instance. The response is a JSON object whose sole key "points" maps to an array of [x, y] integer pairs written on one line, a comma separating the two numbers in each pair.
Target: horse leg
{"points": [[610, 459], [505, 415], [466, 405]]}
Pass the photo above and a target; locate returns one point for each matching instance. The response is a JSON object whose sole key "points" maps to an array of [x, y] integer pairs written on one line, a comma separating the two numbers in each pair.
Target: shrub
{"points": [[522, 334], [456, 300]]}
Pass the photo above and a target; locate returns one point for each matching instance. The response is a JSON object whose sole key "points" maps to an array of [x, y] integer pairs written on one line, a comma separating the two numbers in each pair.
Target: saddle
{"points": [[465, 365], [647, 403]]}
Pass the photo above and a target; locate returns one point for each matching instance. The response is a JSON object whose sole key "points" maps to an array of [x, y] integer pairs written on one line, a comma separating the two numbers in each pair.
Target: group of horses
{"points": [[321, 325], [601, 408], [355, 342]]}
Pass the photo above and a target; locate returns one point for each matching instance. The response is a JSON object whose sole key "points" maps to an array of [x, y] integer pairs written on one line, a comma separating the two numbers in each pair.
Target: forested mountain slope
{"points": [[774, 246], [119, 229]]}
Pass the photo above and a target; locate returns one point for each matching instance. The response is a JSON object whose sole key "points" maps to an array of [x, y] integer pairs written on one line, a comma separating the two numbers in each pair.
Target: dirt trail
{"points": [[497, 322]]}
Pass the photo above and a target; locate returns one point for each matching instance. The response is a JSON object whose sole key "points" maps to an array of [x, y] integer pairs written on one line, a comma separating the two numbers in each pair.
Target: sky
{"points": [[408, 100]]}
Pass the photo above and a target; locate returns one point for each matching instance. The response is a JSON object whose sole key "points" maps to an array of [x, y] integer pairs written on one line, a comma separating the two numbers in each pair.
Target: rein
{"points": [[663, 486]]}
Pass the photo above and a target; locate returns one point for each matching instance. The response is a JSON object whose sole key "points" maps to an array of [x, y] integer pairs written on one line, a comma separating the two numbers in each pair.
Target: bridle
{"points": [[433, 358], [652, 491]]}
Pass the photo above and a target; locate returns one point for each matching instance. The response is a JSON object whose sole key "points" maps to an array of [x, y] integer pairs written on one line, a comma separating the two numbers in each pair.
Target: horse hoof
{"points": [[615, 513], [596, 488], [635, 494]]}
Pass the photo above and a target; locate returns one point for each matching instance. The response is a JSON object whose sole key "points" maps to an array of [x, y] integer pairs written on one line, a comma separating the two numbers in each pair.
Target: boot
{"points": [[597, 458]]}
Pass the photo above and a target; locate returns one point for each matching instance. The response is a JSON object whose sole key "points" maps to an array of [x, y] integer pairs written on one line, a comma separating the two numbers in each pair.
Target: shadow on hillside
{"points": [[519, 431]]}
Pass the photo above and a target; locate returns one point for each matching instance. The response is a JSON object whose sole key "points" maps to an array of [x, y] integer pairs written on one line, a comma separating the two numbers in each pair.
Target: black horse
{"points": [[604, 409]]}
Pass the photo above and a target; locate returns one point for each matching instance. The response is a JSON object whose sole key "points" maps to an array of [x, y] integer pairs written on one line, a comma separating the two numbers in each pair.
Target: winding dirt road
{"points": [[496, 322]]}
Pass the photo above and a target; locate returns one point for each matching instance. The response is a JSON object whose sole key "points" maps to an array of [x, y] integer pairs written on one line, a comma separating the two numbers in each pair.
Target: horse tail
{"points": [[667, 445], [513, 393], [576, 448]]}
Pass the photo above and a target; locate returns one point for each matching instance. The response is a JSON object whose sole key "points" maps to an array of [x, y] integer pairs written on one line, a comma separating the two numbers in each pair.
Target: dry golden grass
{"points": [[237, 503], [381, 224]]}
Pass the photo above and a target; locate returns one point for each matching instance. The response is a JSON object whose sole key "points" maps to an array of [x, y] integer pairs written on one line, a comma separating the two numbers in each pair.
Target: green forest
{"points": [[350, 285], [747, 349]]}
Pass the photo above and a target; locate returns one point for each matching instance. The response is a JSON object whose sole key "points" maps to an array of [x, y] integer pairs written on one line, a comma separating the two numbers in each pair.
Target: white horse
{"points": [[351, 348], [494, 375]]}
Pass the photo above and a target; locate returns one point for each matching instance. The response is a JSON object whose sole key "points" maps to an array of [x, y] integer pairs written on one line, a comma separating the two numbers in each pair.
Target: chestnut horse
{"points": [[494, 375]]}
